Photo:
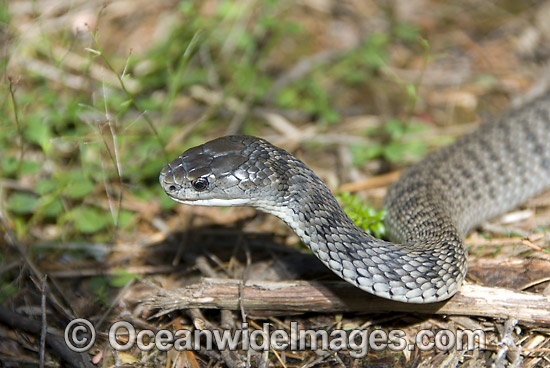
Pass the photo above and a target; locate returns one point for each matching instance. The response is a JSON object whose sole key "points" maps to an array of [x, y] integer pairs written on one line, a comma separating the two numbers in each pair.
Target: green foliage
{"points": [[79, 188], [7, 289], [100, 285], [37, 131], [398, 145], [406, 32], [310, 96], [355, 68], [364, 216], [362, 63], [121, 277], [71, 146], [88, 220], [237, 37], [402, 142], [22, 203], [8, 166]]}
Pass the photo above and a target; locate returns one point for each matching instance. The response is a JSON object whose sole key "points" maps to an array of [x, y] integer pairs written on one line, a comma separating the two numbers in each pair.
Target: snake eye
{"points": [[200, 184]]}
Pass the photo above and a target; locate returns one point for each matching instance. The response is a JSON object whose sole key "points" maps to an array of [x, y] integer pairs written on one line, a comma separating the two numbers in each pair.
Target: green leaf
{"points": [[362, 154], [7, 290], [52, 209], [125, 104], [39, 132], [45, 186], [364, 216], [417, 149], [22, 203], [394, 151], [125, 218], [98, 283], [330, 116], [89, 220], [9, 166], [411, 92], [375, 52], [287, 97], [186, 7], [416, 127], [121, 278], [79, 188], [395, 128], [29, 167], [406, 32]]}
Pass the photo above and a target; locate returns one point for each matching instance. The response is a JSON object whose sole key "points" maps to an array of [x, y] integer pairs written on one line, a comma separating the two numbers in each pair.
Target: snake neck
{"points": [[405, 272]]}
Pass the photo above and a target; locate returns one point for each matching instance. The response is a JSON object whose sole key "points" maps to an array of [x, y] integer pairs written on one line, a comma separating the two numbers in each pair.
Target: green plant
{"points": [[364, 216], [309, 95], [361, 64], [398, 142], [401, 141], [100, 285]]}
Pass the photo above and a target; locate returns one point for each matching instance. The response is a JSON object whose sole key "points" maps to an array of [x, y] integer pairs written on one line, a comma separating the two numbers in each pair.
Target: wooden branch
{"points": [[56, 344], [336, 296]]}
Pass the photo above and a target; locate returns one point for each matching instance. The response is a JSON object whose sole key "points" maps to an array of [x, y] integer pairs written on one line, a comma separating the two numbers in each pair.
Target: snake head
{"points": [[228, 171]]}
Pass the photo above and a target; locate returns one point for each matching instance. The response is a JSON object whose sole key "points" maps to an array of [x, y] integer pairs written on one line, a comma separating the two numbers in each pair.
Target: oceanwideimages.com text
{"points": [[123, 336]]}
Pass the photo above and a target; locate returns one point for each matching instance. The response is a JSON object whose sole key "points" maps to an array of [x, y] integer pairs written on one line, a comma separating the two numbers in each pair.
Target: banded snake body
{"points": [[430, 208]]}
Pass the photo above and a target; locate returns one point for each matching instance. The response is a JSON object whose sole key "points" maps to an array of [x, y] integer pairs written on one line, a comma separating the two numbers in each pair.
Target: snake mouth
{"points": [[174, 196], [211, 202]]}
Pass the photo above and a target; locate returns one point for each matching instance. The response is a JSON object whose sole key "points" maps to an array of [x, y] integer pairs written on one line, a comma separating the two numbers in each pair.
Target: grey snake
{"points": [[430, 208]]}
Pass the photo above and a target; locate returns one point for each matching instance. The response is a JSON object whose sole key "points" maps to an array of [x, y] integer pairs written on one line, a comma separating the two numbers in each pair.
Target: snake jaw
{"points": [[216, 202]]}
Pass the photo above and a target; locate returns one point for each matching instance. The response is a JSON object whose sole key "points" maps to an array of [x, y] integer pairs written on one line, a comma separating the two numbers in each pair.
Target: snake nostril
{"points": [[172, 188]]}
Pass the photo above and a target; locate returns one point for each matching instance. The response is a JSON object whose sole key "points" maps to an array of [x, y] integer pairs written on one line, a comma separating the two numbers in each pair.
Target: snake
{"points": [[429, 209]]}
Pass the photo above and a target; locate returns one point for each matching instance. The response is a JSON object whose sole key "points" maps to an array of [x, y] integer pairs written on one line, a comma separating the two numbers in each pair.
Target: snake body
{"points": [[430, 208]]}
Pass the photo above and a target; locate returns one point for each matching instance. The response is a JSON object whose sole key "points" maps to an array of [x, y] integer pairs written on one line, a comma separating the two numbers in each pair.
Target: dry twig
{"points": [[339, 296]]}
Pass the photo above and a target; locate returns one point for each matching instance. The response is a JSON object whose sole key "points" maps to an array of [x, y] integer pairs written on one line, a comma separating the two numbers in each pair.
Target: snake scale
{"points": [[430, 208]]}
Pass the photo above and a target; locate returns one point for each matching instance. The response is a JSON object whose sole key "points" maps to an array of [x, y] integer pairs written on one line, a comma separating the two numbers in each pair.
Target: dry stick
{"points": [[339, 296], [17, 122], [227, 322], [369, 183], [530, 284], [244, 277], [24, 361], [184, 241], [44, 321], [12, 240], [201, 323], [56, 343], [112, 270]]}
